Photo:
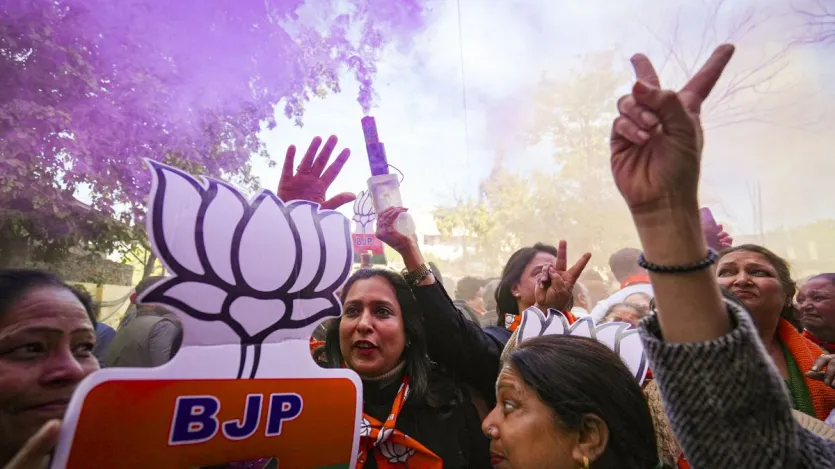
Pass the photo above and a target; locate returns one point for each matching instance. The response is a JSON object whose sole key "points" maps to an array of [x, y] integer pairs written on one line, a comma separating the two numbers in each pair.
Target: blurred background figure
{"points": [[149, 338], [104, 335], [365, 260], [582, 301], [629, 274], [596, 285], [816, 302], [625, 312], [469, 298], [490, 316], [640, 300]]}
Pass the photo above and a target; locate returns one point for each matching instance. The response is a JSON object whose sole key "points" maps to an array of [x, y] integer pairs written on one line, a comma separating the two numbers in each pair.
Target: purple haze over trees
{"points": [[88, 88]]}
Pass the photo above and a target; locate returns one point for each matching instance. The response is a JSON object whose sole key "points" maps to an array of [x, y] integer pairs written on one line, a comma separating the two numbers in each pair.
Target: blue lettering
{"points": [[194, 421], [283, 407], [246, 426]]}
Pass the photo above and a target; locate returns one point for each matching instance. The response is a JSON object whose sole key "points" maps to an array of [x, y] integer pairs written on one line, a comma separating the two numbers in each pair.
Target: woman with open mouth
{"points": [[413, 415]]}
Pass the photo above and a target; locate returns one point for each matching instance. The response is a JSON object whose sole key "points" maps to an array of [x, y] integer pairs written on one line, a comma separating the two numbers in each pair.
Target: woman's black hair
{"points": [[435, 393], [15, 283], [512, 273], [577, 376]]}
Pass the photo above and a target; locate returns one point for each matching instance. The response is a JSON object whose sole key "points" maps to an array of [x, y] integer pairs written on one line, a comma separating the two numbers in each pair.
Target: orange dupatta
{"points": [[805, 352], [391, 448]]}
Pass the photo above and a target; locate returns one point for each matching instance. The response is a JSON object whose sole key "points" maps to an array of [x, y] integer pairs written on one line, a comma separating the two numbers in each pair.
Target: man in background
{"points": [[632, 279], [469, 298], [491, 315], [581, 301], [147, 339]]}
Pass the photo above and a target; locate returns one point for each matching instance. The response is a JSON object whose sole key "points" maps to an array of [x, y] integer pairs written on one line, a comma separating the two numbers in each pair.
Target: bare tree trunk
{"points": [[149, 265]]}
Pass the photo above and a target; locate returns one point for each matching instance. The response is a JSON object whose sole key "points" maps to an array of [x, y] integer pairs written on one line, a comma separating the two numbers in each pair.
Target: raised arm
{"points": [[459, 345], [725, 400]]}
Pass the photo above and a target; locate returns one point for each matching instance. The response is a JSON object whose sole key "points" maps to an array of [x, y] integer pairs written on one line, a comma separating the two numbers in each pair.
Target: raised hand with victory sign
{"points": [[657, 139]]}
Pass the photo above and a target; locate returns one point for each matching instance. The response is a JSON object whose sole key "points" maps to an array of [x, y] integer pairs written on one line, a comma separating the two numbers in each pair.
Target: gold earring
{"points": [[585, 462]]}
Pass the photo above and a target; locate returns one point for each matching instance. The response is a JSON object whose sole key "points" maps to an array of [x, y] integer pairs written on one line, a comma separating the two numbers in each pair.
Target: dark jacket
{"points": [[727, 405], [459, 346], [453, 434]]}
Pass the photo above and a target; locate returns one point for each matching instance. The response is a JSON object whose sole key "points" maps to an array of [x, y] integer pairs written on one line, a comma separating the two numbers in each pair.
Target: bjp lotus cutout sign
{"points": [[250, 281], [364, 238], [618, 336]]}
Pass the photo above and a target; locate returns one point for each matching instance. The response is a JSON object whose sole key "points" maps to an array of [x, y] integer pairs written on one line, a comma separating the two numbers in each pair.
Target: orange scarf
{"points": [[828, 346], [390, 448], [635, 279], [314, 344], [512, 321], [805, 352]]}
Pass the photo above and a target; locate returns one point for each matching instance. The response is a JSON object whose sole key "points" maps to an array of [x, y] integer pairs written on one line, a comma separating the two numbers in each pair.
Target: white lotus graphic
{"points": [[395, 452], [618, 336], [364, 215], [365, 427], [266, 268]]}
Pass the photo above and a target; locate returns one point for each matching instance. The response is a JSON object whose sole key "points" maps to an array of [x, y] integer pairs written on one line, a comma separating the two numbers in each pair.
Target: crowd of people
{"points": [[742, 370]]}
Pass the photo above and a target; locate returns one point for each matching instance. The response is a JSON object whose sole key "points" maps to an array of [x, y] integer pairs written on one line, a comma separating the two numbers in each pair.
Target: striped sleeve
{"points": [[727, 403]]}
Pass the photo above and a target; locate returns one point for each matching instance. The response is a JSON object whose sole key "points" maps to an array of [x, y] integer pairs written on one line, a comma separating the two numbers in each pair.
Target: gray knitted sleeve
{"points": [[727, 404]]}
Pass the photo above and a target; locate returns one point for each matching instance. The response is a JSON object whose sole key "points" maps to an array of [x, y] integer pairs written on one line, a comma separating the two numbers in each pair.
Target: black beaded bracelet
{"points": [[711, 259]]}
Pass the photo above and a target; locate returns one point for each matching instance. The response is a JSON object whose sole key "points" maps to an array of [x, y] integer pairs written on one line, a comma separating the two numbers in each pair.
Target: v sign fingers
{"points": [[644, 71], [696, 91], [562, 256], [576, 270]]}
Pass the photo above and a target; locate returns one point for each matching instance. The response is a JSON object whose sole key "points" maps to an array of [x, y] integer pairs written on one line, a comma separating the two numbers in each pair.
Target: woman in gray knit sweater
{"points": [[723, 396]]}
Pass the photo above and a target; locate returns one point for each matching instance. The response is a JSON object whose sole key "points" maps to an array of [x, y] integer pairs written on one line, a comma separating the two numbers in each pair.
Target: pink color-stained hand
{"points": [[387, 233], [725, 240], [657, 140], [311, 179]]}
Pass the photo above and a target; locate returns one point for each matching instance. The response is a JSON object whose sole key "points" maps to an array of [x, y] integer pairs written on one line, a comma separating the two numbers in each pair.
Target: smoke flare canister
{"points": [[376, 150]]}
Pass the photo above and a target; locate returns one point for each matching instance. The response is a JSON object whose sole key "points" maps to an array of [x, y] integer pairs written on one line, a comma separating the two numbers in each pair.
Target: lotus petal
{"points": [[367, 203], [584, 327], [532, 325], [220, 221], [337, 247], [256, 315], [267, 253], [172, 217], [609, 333], [311, 245], [196, 296], [631, 350]]}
